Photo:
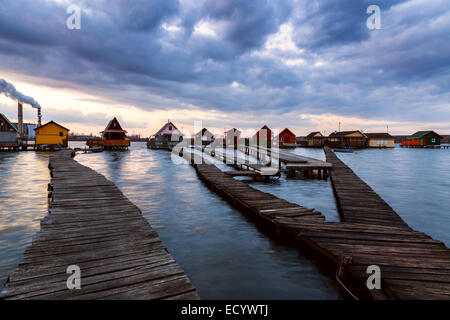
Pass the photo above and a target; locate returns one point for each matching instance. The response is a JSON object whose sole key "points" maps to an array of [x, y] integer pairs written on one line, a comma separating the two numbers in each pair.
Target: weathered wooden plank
{"points": [[373, 233], [93, 225]]}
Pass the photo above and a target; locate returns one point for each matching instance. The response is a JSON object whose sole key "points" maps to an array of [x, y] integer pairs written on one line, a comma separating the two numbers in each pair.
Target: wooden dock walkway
{"points": [[91, 224], [356, 201], [413, 265], [292, 161], [244, 167]]}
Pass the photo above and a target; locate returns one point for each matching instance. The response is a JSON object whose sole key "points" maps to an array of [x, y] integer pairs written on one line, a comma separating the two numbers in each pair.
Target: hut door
{"points": [[235, 142], [421, 142]]}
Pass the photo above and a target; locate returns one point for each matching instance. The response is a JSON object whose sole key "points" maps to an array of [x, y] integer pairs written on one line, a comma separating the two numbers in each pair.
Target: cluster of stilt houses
{"points": [[21, 136], [169, 136], [51, 136]]}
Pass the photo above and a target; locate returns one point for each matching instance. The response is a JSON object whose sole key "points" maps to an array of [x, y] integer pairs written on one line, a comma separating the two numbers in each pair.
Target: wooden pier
{"points": [[412, 264], [244, 167], [356, 201], [293, 162], [263, 158], [92, 225]]}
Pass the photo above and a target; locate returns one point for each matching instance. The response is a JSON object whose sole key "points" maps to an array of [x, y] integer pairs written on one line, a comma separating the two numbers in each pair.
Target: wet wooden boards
{"points": [[413, 265], [356, 201], [91, 224]]}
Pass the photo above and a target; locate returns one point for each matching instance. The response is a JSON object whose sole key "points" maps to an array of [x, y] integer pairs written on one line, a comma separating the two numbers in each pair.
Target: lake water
{"points": [[23, 201], [414, 182], [225, 255]]}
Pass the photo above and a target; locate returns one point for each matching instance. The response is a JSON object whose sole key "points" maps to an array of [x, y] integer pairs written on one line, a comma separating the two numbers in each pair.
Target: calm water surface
{"points": [[415, 183], [225, 255], [309, 192], [23, 201]]}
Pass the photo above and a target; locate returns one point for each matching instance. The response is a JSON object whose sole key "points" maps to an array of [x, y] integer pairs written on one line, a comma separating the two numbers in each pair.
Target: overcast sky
{"points": [[302, 64]]}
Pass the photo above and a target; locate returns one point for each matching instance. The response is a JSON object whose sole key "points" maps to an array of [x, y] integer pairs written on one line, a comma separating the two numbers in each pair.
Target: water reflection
{"points": [[23, 189], [309, 192], [414, 182], [225, 255]]}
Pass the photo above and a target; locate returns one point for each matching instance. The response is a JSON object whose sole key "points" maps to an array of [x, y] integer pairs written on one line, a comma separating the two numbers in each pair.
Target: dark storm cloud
{"points": [[248, 22], [144, 15], [151, 54], [328, 23]]}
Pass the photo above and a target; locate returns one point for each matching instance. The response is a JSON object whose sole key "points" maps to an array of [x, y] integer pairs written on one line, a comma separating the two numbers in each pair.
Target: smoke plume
{"points": [[10, 91]]}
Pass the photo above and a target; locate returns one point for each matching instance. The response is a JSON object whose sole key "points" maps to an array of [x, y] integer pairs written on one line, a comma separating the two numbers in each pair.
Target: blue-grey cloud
{"points": [[148, 53], [327, 23]]}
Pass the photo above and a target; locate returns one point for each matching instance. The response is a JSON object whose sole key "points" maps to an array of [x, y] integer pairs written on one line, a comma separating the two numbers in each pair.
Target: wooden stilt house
{"points": [[166, 138], [8, 134], [113, 137], [286, 139]]}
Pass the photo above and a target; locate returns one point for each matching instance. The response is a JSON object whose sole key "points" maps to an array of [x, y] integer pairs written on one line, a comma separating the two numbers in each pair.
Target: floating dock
{"points": [[412, 264], [92, 225]]}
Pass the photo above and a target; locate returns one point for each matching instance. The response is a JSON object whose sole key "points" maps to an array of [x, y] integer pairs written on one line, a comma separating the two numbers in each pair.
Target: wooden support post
{"points": [[345, 260], [290, 173]]}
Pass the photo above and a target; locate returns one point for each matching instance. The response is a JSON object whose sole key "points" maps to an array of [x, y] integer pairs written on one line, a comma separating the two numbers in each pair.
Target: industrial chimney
{"points": [[20, 119], [39, 116]]}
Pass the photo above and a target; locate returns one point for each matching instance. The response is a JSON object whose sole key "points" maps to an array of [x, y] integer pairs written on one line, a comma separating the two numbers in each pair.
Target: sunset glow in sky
{"points": [[302, 64]]}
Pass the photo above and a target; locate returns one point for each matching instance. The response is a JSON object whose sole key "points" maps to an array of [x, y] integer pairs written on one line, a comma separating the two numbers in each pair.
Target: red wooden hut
{"points": [[422, 139], [263, 137], [113, 137], [286, 138]]}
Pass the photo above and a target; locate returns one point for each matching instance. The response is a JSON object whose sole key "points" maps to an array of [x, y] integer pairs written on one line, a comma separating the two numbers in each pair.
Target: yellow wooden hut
{"points": [[51, 133], [380, 140]]}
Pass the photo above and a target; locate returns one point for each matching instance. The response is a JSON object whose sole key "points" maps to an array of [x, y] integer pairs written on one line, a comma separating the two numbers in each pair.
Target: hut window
{"points": [[60, 134], [433, 140], [170, 128]]}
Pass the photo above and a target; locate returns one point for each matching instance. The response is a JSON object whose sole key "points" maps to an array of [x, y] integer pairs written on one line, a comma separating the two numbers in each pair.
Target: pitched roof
{"points": [[169, 123], [110, 123], [268, 131], [342, 134], [233, 131], [9, 122], [287, 131], [420, 134], [53, 123], [203, 132], [313, 134], [381, 135]]}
